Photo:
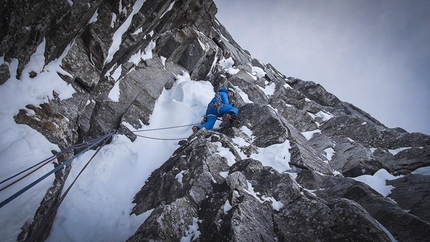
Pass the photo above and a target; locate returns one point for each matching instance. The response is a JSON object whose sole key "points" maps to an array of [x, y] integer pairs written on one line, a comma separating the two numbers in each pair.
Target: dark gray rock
{"points": [[401, 224], [265, 124], [251, 203], [411, 192]]}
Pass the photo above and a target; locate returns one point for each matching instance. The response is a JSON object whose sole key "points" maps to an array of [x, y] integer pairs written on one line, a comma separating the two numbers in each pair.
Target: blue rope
{"points": [[50, 158], [9, 199], [58, 203]]}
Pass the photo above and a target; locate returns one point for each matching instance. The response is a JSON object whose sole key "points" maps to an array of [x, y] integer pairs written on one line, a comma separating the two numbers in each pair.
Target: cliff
{"points": [[286, 173]]}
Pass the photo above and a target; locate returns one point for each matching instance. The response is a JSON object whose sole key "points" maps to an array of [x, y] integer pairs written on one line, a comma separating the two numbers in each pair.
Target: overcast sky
{"points": [[374, 54]]}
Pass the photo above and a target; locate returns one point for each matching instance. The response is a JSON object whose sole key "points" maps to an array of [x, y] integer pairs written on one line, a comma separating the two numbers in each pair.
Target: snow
{"points": [[396, 151], [378, 181], [121, 30], [422, 171], [242, 94], [276, 156], [168, 9], [276, 205], [193, 232], [21, 146], [114, 92], [269, 89], [246, 131], [286, 86], [329, 153], [179, 176], [112, 23], [390, 236], [97, 207], [309, 134], [321, 114], [350, 140], [227, 206], [94, 18], [224, 174], [146, 55], [225, 152], [228, 65], [257, 71]]}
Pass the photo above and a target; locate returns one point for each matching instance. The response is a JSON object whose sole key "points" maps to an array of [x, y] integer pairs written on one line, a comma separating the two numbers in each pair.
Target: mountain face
{"points": [[215, 181]]}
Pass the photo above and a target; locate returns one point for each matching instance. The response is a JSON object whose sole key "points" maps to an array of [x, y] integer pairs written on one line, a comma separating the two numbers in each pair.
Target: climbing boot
{"points": [[232, 118], [195, 129]]}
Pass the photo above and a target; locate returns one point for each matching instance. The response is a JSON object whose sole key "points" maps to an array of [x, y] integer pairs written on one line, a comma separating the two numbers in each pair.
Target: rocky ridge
{"points": [[228, 197]]}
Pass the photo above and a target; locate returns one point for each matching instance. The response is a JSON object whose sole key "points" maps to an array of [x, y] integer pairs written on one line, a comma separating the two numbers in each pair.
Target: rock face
{"points": [[229, 198]]}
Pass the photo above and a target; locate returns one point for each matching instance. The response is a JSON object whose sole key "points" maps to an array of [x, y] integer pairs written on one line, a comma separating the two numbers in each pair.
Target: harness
{"points": [[217, 105], [205, 118]]}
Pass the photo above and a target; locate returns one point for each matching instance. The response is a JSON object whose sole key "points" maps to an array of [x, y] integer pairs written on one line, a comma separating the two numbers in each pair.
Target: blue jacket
{"points": [[218, 106], [221, 96]]}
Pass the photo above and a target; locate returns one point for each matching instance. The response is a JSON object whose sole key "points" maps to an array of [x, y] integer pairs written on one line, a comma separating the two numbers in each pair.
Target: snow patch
{"points": [[224, 174], [276, 156], [179, 176], [257, 71], [227, 206], [145, 55], [228, 65], [242, 95], [287, 86], [226, 153], [193, 232], [168, 9], [94, 17], [269, 90], [114, 92], [396, 151], [276, 205], [329, 153], [309, 134], [422, 171], [117, 37], [378, 181]]}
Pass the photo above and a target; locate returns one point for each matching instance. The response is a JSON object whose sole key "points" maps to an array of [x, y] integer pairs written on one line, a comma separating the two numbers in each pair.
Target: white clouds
{"points": [[372, 54]]}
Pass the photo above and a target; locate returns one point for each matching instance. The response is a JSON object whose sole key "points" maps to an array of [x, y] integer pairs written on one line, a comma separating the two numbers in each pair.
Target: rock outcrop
{"points": [[137, 47]]}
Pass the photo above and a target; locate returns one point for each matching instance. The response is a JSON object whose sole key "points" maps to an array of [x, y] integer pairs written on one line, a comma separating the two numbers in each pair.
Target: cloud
{"points": [[373, 54]]}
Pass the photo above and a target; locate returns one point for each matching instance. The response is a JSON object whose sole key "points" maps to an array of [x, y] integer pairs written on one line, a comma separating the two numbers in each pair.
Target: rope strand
{"points": [[47, 161], [17, 194], [171, 127], [88, 145], [155, 138], [60, 201]]}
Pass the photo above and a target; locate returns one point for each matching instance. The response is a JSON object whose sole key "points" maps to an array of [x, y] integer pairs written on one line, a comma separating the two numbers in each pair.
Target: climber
{"points": [[218, 107]]}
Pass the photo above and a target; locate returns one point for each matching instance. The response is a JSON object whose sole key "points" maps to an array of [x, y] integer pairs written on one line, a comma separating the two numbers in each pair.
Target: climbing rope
{"points": [[54, 208], [171, 127], [87, 145], [164, 128], [155, 138], [45, 162], [17, 194]]}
